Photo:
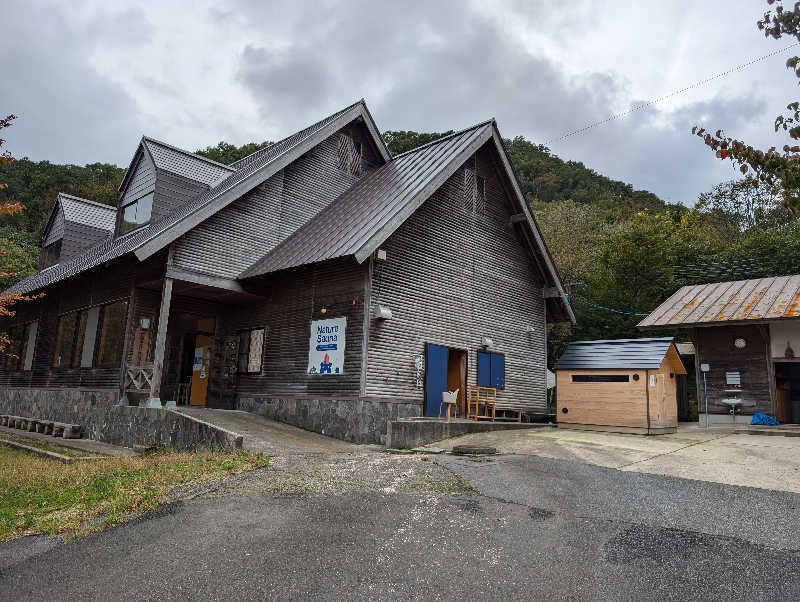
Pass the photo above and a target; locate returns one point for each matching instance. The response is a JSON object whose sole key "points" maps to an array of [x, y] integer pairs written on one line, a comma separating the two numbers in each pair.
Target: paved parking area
{"points": [[769, 462]]}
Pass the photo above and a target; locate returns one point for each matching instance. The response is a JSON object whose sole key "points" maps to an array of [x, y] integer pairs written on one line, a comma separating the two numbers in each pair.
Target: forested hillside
{"points": [[620, 251]]}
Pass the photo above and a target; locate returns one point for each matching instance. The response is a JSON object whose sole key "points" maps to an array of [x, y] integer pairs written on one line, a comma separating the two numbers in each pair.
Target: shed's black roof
{"points": [[620, 354]]}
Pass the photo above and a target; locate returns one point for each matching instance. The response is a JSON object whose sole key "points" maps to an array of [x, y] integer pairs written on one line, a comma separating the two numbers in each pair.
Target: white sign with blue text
{"points": [[326, 346]]}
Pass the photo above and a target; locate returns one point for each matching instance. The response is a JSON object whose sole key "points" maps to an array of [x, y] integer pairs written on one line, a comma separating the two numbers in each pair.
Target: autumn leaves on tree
{"points": [[773, 167]]}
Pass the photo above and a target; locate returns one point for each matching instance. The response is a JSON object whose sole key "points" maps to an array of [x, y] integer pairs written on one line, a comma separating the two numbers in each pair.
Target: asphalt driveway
{"points": [[764, 461], [396, 527]]}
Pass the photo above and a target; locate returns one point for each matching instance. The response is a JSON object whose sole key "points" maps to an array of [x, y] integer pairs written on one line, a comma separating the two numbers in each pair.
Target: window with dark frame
{"points": [[251, 350], [51, 254], [136, 213], [14, 349], [600, 378], [474, 192], [111, 333], [69, 339]]}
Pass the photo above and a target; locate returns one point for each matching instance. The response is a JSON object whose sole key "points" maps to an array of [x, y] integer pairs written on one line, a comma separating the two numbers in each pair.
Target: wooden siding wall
{"points": [[296, 299], [602, 404], [56, 230], [451, 278], [81, 292], [714, 346], [142, 181], [94, 288], [172, 191], [248, 228]]}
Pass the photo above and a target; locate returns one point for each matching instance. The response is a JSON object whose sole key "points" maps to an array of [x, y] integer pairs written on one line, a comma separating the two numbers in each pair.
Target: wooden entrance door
{"points": [[201, 370], [658, 399]]}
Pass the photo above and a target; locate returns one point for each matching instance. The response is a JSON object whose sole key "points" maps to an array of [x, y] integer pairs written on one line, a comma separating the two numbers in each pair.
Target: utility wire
{"points": [[670, 95], [625, 312]]}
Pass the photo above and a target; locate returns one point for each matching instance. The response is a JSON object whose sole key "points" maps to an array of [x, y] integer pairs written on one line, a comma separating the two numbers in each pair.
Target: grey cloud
{"points": [[67, 112]]}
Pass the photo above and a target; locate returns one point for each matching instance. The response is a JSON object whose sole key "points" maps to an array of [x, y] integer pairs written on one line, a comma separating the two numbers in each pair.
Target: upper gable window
{"points": [[136, 213], [349, 154], [51, 253]]}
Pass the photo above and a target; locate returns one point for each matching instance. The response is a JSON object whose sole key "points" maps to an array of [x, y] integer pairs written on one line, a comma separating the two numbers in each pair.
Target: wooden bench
{"points": [[481, 398]]}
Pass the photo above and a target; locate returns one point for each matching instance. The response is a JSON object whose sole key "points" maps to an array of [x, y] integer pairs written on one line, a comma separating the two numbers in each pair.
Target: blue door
{"points": [[435, 377]]}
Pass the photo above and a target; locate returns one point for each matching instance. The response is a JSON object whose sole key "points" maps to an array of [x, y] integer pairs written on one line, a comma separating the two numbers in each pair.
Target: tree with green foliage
{"points": [[227, 153], [774, 167], [403, 141]]}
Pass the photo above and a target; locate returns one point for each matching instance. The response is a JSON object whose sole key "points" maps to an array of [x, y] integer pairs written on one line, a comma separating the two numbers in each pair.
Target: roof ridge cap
{"points": [[443, 138], [83, 200], [189, 153]]}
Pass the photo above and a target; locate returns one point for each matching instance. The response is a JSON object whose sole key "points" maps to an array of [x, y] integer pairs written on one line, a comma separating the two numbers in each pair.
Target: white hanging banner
{"points": [[326, 346]]}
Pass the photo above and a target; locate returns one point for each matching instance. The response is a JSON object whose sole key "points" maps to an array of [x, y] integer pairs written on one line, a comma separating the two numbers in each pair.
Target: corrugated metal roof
{"points": [[89, 213], [620, 354], [372, 203], [183, 163], [722, 302], [114, 248]]}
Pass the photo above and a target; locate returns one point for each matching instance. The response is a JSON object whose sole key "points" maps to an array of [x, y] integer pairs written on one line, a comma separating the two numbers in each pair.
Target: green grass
{"points": [[47, 446], [39, 496]]}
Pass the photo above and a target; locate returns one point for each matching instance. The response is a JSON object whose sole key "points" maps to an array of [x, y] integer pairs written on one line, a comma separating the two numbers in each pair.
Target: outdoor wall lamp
{"points": [[383, 313], [144, 323], [487, 342]]}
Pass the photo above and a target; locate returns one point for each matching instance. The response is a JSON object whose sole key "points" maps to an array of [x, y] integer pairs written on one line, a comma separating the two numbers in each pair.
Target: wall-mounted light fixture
{"points": [[323, 310], [487, 342], [381, 254], [144, 323], [383, 313]]}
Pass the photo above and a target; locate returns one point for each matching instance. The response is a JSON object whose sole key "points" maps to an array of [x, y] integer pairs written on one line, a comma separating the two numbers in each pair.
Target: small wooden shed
{"points": [[625, 385]]}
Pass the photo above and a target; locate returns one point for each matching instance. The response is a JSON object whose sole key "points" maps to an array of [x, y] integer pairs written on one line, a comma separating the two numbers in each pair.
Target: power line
{"points": [[670, 95], [625, 312]]}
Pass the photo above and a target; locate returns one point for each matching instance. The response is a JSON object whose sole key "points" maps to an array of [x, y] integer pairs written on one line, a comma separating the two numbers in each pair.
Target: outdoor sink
{"points": [[732, 403]]}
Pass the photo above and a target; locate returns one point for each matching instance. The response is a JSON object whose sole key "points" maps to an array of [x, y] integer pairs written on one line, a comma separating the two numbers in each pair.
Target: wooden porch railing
{"points": [[139, 378]]}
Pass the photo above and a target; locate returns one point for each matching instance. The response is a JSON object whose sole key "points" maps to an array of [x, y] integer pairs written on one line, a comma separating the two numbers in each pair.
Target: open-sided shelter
{"points": [[626, 385]]}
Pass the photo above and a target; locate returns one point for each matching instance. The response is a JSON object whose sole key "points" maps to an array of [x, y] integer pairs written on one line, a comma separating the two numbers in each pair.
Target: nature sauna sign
{"points": [[326, 346]]}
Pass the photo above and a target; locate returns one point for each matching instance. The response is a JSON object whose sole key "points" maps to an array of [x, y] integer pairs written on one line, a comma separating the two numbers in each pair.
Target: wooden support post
{"points": [[161, 338], [126, 345]]}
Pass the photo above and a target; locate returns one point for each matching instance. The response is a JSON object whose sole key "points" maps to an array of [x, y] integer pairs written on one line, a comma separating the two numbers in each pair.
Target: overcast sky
{"points": [[88, 79]]}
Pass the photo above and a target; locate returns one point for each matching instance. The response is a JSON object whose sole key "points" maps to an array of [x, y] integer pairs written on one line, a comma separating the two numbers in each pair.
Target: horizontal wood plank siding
{"points": [[142, 181], [451, 278], [56, 231], [296, 299], [714, 346], [602, 403], [251, 226]]}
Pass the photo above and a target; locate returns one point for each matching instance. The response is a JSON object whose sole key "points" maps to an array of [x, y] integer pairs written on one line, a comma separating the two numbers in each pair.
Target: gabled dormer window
{"points": [[51, 254], [136, 213]]}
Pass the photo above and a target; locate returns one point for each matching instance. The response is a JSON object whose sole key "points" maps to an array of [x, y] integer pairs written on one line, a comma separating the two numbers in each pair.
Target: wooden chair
{"points": [[449, 399], [481, 396]]}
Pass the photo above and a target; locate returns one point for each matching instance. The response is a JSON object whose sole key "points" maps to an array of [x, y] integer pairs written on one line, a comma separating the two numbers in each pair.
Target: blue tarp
{"points": [[763, 419]]}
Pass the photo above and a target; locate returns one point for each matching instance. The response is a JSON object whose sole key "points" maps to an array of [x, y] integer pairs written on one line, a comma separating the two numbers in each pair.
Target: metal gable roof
{"points": [[369, 212], [377, 200], [158, 234], [86, 212], [186, 164], [723, 302], [620, 354]]}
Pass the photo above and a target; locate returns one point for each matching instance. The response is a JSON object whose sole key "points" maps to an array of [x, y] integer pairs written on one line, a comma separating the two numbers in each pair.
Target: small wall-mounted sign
{"points": [[704, 368], [326, 346]]}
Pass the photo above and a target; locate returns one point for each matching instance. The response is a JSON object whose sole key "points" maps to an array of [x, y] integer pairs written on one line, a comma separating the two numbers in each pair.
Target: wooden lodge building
{"points": [[747, 334], [315, 281]]}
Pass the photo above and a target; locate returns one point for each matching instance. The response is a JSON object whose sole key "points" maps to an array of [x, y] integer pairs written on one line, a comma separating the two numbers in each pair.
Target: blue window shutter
{"points": [[484, 369], [498, 371]]}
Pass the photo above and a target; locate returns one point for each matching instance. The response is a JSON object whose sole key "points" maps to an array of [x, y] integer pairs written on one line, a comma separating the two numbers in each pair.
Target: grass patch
{"points": [[447, 483], [47, 446], [39, 496]]}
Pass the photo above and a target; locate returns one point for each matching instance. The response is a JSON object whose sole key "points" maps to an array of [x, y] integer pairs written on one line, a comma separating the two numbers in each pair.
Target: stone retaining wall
{"points": [[103, 419], [406, 434], [355, 420]]}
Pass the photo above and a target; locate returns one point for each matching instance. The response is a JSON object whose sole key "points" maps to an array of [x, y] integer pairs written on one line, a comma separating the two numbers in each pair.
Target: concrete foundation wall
{"points": [[406, 434], [355, 420], [104, 420]]}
